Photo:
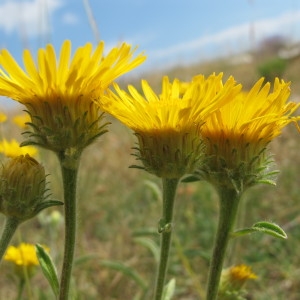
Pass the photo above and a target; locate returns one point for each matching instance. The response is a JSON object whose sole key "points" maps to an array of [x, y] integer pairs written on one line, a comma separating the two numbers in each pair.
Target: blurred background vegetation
{"points": [[119, 208]]}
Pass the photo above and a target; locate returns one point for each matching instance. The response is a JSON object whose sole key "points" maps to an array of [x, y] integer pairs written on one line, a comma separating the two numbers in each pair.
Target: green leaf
{"points": [[84, 259], [190, 178], [264, 227], [46, 204], [126, 270], [156, 190], [48, 268], [169, 290], [150, 231], [271, 229], [150, 245]]}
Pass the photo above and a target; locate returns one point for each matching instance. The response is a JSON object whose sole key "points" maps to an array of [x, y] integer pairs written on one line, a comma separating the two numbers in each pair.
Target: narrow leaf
{"points": [[48, 268], [190, 178], [271, 229], [264, 227], [46, 204], [169, 290], [126, 270], [150, 245], [156, 190]]}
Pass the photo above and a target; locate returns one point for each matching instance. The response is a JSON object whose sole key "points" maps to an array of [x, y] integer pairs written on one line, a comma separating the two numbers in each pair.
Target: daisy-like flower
{"points": [[237, 135], [23, 256], [239, 274], [22, 120], [12, 149], [233, 280], [59, 93], [3, 117], [168, 125]]}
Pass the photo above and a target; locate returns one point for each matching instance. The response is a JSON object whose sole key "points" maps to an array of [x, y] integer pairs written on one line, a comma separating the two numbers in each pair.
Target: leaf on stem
{"points": [[126, 270], [169, 290], [264, 227], [48, 268], [150, 245]]}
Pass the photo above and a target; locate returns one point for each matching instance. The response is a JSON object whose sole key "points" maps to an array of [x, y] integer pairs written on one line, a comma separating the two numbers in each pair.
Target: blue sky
{"points": [[169, 31]]}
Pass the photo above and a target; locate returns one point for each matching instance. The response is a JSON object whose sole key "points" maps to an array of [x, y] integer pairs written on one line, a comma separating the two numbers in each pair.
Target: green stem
{"points": [[10, 227], [20, 289], [169, 191], [229, 200], [69, 176]]}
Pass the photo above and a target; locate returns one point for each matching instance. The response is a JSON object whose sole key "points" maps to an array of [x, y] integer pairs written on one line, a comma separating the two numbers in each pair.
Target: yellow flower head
{"points": [[23, 255], [233, 280], [3, 117], [59, 93], [237, 134], [168, 125], [241, 273], [12, 149], [24, 258], [21, 120]]}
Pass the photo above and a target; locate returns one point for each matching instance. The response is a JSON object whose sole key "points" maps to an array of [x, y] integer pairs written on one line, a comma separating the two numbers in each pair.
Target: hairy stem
{"points": [[69, 176], [169, 191], [229, 200], [10, 227]]}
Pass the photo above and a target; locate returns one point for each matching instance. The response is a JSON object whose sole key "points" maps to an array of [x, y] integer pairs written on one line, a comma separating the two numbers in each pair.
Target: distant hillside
{"points": [[244, 67]]}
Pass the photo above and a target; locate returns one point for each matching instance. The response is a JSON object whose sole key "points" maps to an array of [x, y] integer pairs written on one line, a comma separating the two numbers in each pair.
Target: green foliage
{"points": [[169, 290], [264, 227], [127, 271], [272, 68], [48, 268]]}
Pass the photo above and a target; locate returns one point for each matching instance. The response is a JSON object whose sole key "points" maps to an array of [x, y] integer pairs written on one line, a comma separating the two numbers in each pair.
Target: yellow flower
{"points": [[21, 120], [3, 117], [23, 255], [236, 135], [59, 93], [24, 259], [241, 273], [233, 280], [12, 149], [168, 125]]}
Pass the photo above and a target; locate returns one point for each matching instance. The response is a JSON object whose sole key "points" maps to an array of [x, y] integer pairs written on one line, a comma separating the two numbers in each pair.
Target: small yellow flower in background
{"points": [[21, 120], [3, 117], [236, 135], [240, 274], [59, 93], [168, 125], [23, 255], [24, 258], [12, 149], [233, 281]]}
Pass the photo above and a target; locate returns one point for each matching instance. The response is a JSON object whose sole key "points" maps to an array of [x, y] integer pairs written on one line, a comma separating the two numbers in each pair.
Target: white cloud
{"points": [[238, 35], [70, 18], [30, 17]]}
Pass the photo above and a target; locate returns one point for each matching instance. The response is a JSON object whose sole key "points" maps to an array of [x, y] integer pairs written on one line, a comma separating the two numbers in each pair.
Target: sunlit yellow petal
{"points": [[24, 259], [168, 125], [237, 134], [21, 120], [59, 92], [3, 117], [12, 149]]}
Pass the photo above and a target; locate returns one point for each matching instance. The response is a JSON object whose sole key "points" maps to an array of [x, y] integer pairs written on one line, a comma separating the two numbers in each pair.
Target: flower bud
{"points": [[22, 187]]}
